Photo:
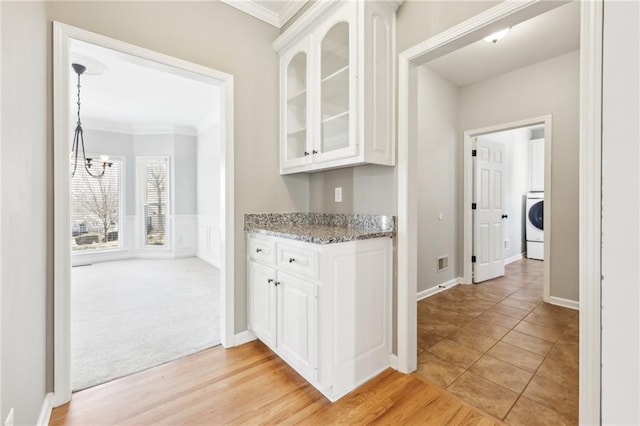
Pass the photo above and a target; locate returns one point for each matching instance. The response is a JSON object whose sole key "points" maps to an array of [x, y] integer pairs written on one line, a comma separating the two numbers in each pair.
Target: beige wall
{"points": [[549, 87], [25, 267], [439, 159]]}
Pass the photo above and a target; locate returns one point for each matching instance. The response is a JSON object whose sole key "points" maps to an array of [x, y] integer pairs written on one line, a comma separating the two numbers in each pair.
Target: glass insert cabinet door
{"points": [[337, 84], [296, 113]]}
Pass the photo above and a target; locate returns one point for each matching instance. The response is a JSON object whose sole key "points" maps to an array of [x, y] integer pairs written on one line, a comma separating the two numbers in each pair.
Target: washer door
{"points": [[536, 215]]}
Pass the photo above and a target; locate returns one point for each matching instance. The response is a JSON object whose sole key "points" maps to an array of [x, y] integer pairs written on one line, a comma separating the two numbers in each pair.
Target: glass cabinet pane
{"points": [[297, 107], [334, 62]]}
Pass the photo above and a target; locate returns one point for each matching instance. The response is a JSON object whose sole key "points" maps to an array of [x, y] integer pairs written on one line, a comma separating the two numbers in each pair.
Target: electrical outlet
{"points": [[338, 194], [506, 244], [9, 420]]}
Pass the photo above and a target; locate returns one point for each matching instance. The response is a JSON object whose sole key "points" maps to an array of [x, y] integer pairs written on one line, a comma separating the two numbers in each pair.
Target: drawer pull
{"points": [[258, 250], [270, 280], [291, 260]]}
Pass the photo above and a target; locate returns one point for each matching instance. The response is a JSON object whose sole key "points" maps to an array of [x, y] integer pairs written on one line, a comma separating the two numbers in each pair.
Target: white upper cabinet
{"points": [[337, 87]]}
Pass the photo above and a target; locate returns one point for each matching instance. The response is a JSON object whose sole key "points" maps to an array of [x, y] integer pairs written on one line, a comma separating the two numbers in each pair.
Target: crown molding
{"points": [[138, 130], [255, 9]]}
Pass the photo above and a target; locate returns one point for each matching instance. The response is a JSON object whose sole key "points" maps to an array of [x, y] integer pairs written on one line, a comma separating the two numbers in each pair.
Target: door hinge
{"points": [[473, 206], [474, 152], [473, 259]]}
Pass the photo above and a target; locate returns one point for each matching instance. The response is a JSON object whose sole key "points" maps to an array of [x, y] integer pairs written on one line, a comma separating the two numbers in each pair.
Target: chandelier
{"points": [[78, 139]]}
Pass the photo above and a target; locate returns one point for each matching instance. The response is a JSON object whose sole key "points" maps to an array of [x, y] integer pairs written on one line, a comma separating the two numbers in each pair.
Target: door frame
{"points": [[62, 35], [467, 225], [505, 14]]}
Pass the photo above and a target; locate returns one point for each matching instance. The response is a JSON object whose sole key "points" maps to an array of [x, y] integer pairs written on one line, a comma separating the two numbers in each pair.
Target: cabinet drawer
{"points": [[262, 250], [298, 260]]}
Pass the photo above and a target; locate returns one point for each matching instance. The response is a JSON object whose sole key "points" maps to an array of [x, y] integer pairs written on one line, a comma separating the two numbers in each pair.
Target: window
{"points": [[95, 209], [153, 179]]}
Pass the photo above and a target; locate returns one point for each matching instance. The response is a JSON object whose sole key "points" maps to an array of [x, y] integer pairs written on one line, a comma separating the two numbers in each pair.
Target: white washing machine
{"points": [[535, 225]]}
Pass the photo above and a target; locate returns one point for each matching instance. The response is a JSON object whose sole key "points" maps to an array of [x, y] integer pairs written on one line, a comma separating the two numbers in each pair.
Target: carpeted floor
{"points": [[130, 315]]}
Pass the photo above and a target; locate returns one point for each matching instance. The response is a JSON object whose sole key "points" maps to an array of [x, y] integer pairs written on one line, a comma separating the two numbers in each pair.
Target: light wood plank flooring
{"points": [[249, 384]]}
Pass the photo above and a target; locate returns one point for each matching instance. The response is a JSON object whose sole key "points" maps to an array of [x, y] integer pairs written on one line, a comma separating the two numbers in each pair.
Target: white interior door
{"points": [[488, 227]]}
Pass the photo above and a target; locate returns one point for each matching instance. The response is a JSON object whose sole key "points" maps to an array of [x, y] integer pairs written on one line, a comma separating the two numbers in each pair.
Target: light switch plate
{"points": [[338, 194]]}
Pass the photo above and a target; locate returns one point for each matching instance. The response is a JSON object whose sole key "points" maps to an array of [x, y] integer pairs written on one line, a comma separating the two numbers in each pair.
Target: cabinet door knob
{"points": [[314, 152], [277, 283], [291, 260], [504, 216], [258, 250], [269, 280], [306, 153]]}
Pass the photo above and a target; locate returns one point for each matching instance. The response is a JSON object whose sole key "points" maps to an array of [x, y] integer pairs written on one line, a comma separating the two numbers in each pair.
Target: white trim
{"points": [[130, 129], [590, 207], [438, 288], [559, 301], [260, 12], [62, 263], [467, 226], [256, 10], [512, 11], [393, 361], [243, 337], [308, 18], [514, 258], [1, 286], [45, 411]]}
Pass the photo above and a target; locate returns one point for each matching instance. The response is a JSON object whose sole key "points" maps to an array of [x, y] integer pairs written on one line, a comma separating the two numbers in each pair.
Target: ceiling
{"points": [[129, 94], [543, 37], [274, 12]]}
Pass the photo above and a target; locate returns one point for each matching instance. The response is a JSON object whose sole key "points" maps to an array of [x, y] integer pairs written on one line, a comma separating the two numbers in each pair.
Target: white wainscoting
{"points": [[208, 239], [185, 238]]}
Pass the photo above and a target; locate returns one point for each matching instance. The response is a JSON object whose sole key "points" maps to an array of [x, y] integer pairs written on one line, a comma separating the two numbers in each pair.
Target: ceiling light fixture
{"points": [[495, 37], [78, 138]]}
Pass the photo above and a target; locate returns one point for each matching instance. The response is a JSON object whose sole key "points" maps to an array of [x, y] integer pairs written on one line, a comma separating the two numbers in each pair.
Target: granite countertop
{"points": [[320, 228]]}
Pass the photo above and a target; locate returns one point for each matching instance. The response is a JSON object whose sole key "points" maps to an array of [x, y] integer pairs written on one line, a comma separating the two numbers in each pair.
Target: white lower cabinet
{"points": [[333, 329]]}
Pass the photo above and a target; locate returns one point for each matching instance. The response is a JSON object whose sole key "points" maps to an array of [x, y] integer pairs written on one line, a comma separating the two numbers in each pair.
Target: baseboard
{"points": [[45, 411], [559, 301], [393, 361], [438, 288], [243, 337], [514, 258]]}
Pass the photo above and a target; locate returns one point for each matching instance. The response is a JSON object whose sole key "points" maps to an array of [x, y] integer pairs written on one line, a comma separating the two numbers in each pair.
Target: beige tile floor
{"points": [[498, 347]]}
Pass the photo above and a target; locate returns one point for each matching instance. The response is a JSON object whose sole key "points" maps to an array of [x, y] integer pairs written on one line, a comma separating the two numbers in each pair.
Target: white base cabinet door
{"points": [[323, 308], [296, 335], [262, 302]]}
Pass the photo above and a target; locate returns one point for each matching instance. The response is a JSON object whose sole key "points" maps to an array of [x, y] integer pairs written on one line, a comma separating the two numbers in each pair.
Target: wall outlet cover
{"points": [[338, 194]]}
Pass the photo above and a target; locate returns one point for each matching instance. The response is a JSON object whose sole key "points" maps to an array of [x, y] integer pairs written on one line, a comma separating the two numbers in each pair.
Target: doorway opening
{"points": [[522, 181], [145, 285], [143, 254]]}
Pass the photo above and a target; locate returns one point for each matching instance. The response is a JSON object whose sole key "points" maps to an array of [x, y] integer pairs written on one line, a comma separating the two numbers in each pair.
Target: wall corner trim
{"points": [[566, 303], [243, 337], [438, 288], [45, 411]]}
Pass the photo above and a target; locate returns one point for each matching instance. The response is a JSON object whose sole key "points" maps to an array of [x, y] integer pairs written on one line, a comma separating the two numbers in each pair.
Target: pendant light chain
{"points": [[78, 137]]}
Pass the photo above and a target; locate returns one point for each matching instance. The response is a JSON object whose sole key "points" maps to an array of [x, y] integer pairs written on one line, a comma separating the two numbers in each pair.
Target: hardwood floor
{"points": [[249, 384]]}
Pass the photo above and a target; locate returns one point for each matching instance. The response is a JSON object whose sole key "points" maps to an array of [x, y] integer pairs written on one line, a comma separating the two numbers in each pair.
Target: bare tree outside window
{"points": [[156, 203], [95, 206]]}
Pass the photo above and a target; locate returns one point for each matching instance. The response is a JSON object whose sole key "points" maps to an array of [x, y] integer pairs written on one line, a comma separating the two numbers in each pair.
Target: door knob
{"points": [[504, 216], [258, 250], [269, 280], [291, 260]]}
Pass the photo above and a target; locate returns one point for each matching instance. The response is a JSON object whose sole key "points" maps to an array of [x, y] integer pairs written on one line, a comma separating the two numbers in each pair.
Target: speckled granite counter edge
{"points": [[365, 222], [364, 226]]}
